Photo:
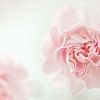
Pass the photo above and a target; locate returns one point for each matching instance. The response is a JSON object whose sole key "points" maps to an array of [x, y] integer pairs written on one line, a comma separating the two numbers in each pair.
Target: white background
{"points": [[23, 24]]}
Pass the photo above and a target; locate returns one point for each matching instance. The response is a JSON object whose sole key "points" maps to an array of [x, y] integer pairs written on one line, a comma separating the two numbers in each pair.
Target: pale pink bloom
{"points": [[72, 50], [13, 81]]}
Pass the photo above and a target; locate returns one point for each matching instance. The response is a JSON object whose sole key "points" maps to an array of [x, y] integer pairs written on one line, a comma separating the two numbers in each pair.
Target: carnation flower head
{"points": [[72, 50]]}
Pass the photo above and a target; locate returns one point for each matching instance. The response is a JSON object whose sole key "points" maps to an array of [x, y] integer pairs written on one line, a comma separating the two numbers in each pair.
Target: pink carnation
{"points": [[13, 81], [72, 50]]}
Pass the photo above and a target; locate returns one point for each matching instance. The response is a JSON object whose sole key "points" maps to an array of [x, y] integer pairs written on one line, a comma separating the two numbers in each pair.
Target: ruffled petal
{"points": [[81, 32], [95, 58]]}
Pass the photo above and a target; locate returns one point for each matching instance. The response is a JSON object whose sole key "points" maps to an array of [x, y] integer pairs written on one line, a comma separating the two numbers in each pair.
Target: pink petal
{"points": [[60, 80], [54, 35], [65, 19], [76, 85], [95, 58], [70, 83], [50, 43], [92, 79], [80, 31], [52, 65]]}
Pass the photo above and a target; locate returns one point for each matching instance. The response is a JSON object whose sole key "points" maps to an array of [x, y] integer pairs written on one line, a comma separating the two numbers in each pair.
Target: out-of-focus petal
{"points": [[52, 65], [69, 83], [51, 42], [65, 19], [92, 79], [76, 85]]}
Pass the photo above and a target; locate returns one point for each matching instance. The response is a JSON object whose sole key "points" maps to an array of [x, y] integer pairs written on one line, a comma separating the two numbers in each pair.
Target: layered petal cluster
{"points": [[72, 50]]}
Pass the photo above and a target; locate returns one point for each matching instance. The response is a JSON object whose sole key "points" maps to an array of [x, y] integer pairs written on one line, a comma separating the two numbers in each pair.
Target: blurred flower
{"points": [[14, 84], [72, 50]]}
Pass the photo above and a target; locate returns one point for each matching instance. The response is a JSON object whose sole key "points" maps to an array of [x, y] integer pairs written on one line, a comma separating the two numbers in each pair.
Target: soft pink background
{"points": [[23, 23]]}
